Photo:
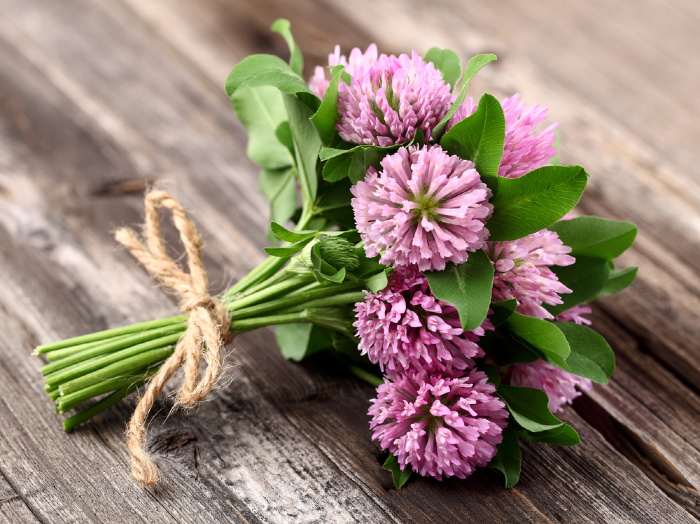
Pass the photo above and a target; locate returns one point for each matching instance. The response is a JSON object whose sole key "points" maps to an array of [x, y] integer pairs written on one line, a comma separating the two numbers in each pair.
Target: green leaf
{"points": [[618, 280], [290, 236], [539, 335], [307, 145], [447, 62], [286, 252], [352, 163], [529, 407], [508, 458], [400, 477], [473, 66], [585, 278], [376, 282], [562, 436], [269, 71], [507, 351], [324, 270], [334, 203], [502, 310], [279, 188], [591, 356], [467, 287], [261, 111], [283, 133], [296, 59], [324, 119], [298, 341], [534, 201], [595, 236], [493, 374], [480, 138]]}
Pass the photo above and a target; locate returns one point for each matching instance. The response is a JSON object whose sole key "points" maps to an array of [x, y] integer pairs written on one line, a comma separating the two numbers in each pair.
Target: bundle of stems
{"points": [[118, 361]]}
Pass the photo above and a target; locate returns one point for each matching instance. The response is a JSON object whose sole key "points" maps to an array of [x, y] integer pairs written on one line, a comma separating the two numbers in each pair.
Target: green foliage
{"points": [[502, 346], [290, 236], [279, 188], [324, 119], [532, 202], [591, 356], [261, 111], [287, 251], [400, 477], [480, 138], [529, 407], [586, 277], [269, 71], [502, 310], [352, 163], [447, 62], [595, 236], [541, 337], [561, 436], [334, 203], [473, 66], [618, 280], [467, 287], [508, 458], [298, 341], [296, 59], [307, 145]]}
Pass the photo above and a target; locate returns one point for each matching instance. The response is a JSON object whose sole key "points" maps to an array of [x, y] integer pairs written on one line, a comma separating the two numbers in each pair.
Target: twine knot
{"points": [[207, 325]]}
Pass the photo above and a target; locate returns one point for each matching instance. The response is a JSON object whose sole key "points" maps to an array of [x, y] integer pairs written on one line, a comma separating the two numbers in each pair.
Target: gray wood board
{"points": [[98, 100]]}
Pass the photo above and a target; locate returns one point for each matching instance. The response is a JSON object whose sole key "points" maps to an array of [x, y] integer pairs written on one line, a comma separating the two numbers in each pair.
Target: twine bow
{"points": [[207, 325]]}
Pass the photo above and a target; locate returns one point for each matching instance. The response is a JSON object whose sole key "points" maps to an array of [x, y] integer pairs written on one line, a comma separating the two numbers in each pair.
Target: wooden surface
{"points": [[97, 99]]}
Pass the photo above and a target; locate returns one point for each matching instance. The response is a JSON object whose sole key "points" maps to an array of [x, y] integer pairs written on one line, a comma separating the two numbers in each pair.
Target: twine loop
{"points": [[207, 325]]}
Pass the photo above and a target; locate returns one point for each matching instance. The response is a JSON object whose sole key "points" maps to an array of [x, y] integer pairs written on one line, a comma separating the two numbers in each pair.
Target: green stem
{"points": [[119, 368], [100, 406], [57, 354], [271, 292], [342, 299], [110, 347], [81, 368], [71, 400], [266, 269], [249, 324], [110, 333], [302, 295]]}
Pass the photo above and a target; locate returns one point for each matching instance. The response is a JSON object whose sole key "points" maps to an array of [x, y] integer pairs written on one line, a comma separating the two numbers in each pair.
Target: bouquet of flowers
{"points": [[427, 244]]}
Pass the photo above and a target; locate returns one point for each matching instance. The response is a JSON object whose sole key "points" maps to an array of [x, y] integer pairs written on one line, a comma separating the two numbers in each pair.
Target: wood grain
{"points": [[97, 100]]}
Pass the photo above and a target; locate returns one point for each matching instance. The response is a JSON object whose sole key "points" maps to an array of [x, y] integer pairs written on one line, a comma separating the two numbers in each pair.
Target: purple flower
{"points": [[405, 329], [574, 314], [522, 271], [560, 386], [388, 101], [357, 64], [525, 148], [442, 427], [425, 208]]}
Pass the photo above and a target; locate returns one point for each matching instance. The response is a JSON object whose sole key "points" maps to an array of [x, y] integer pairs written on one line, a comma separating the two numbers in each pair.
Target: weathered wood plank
{"points": [[139, 110]]}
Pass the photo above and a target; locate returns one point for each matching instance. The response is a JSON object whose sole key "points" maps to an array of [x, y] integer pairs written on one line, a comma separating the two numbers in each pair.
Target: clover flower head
{"points": [[387, 102], [358, 63], [442, 427], [405, 329], [522, 271], [525, 148], [424, 208], [561, 386], [575, 314]]}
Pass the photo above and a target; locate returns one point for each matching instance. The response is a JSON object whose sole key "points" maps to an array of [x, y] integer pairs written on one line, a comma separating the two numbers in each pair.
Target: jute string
{"points": [[207, 325]]}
